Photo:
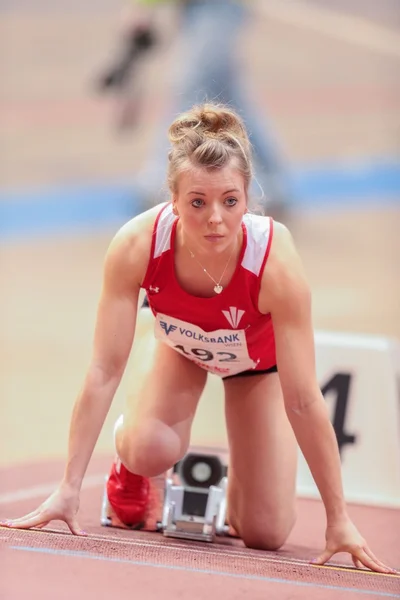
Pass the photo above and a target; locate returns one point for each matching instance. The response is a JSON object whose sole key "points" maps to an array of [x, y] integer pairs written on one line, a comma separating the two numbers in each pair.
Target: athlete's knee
{"points": [[149, 449], [270, 534], [263, 540]]}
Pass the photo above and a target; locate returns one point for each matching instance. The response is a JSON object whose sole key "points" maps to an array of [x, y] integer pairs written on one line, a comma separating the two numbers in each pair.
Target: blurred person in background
{"points": [[206, 67]]}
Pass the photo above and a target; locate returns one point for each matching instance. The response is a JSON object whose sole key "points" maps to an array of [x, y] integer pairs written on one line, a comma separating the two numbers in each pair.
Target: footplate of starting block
{"points": [[195, 499], [192, 501], [208, 506]]}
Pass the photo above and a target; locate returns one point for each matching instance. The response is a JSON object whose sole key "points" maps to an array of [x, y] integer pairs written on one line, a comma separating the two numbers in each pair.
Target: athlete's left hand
{"points": [[344, 537]]}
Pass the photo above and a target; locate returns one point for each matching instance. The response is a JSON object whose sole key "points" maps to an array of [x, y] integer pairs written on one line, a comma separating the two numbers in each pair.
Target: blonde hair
{"points": [[209, 136]]}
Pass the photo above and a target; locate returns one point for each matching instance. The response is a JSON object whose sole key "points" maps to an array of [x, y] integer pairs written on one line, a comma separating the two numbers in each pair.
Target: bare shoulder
{"points": [[128, 254], [283, 254], [284, 275]]}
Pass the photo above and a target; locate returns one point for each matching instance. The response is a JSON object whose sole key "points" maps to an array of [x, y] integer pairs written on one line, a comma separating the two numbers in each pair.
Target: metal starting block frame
{"points": [[179, 523], [193, 499]]}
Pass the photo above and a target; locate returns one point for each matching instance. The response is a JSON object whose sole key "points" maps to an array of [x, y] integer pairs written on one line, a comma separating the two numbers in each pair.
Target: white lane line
{"points": [[45, 489], [335, 24], [218, 551]]}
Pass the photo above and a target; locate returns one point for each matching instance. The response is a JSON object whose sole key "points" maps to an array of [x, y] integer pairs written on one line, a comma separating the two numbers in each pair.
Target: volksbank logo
{"points": [[167, 328], [200, 337], [234, 316]]}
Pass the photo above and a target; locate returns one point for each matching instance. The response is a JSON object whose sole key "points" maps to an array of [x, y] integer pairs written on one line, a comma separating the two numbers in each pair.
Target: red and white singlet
{"points": [[225, 334]]}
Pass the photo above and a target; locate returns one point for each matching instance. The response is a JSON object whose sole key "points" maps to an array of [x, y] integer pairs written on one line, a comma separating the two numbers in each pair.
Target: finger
{"points": [[74, 526], [30, 515], [368, 551], [42, 525], [323, 558], [26, 523], [370, 563], [358, 564]]}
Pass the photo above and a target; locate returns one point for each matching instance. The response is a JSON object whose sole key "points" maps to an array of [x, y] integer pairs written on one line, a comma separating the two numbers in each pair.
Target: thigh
{"points": [[164, 387], [263, 457], [171, 388]]}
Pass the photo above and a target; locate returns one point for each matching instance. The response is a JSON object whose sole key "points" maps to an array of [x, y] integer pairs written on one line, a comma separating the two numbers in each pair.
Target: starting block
{"points": [[193, 498]]}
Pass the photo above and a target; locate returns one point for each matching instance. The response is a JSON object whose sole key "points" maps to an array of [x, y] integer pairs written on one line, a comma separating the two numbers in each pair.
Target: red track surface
{"points": [[54, 564]]}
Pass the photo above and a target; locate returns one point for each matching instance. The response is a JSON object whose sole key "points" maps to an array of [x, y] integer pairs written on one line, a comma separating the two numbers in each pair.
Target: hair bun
{"points": [[207, 120], [217, 120]]}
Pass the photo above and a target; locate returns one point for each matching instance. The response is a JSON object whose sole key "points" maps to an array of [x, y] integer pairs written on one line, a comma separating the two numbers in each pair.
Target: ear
{"points": [[174, 209]]}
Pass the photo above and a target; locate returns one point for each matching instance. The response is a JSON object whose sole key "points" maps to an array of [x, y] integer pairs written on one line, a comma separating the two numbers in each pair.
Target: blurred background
{"points": [[80, 156]]}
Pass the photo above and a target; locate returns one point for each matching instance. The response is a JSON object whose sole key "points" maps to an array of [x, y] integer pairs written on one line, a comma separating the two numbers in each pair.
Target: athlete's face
{"points": [[211, 205]]}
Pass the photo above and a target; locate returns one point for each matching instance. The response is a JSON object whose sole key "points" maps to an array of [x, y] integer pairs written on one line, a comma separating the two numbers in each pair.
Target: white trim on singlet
{"points": [[258, 234], [163, 231]]}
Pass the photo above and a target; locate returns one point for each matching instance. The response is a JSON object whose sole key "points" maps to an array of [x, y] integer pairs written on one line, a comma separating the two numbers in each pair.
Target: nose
{"points": [[215, 217]]}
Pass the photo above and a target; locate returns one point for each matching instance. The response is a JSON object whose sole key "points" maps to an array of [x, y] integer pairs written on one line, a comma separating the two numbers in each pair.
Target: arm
{"points": [[289, 301], [286, 294], [112, 342], [114, 332]]}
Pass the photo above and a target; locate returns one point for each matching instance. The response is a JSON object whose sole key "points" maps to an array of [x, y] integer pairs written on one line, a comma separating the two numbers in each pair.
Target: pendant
{"points": [[218, 288]]}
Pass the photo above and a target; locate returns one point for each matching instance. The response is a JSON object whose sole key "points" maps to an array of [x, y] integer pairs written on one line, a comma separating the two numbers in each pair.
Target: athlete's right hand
{"points": [[62, 505]]}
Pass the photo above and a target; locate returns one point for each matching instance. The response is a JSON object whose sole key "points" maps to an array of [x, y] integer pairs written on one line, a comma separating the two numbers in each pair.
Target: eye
{"points": [[231, 201], [197, 202]]}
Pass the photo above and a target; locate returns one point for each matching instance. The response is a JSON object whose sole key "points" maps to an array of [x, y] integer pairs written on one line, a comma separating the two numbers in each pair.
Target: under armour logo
{"points": [[234, 316], [155, 290]]}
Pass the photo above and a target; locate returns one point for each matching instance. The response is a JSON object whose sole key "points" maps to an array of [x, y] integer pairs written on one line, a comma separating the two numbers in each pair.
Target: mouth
{"points": [[213, 237]]}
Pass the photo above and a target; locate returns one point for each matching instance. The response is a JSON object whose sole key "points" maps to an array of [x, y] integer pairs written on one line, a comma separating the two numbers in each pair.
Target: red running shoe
{"points": [[128, 497]]}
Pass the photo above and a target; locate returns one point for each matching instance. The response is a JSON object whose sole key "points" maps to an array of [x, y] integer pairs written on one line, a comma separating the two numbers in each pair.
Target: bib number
{"points": [[207, 355], [223, 352]]}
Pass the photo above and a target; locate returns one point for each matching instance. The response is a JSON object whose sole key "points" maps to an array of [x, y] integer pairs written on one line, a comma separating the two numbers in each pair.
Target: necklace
{"points": [[217, 287]]}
